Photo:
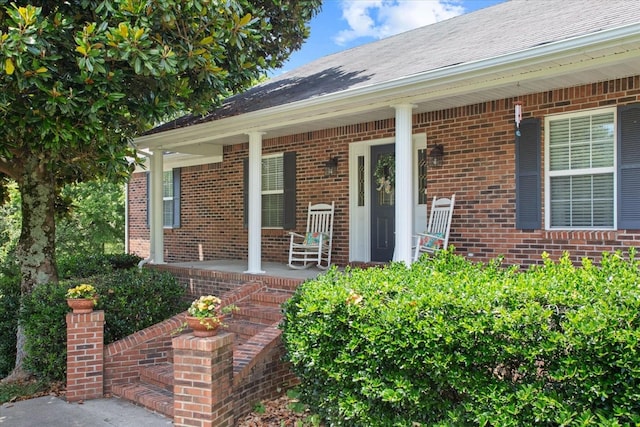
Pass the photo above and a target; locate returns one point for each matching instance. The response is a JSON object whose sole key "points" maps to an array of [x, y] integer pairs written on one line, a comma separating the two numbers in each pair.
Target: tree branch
{"points": [[9, 168]]}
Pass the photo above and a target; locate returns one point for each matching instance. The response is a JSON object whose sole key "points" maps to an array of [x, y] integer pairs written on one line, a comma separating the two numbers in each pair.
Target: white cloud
{"points": [[383, 18]]}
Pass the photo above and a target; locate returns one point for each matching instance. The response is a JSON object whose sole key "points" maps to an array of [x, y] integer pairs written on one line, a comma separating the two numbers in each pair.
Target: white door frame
{"points": [[360, 216]]}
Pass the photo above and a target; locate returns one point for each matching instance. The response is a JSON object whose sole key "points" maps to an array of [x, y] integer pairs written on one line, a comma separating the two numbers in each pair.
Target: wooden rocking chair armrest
{"points": [[429, 235], [294, 234]]}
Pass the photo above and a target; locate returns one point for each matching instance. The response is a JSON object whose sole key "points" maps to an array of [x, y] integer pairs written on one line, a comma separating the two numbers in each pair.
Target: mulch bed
{"points": [[283, 411]]}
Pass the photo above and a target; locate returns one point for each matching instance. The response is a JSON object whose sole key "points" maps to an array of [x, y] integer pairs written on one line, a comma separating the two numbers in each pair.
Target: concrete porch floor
{"points": [[271, 269]]}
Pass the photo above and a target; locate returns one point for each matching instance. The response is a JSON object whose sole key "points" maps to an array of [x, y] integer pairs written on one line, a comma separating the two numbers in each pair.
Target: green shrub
{"points": [[43, 317], [9, 306], [132, 300], [449, 342], [83, 266], [137, 298], [123, 261]]}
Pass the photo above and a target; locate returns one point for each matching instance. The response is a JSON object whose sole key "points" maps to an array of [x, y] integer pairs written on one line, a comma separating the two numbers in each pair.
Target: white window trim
{"points": [[165, 199], [548, 174], [269, 192]]}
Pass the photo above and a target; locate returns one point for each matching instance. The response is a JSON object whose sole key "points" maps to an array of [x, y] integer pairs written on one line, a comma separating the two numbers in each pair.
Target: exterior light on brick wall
{"points": [[436, 155], [330, 167]]}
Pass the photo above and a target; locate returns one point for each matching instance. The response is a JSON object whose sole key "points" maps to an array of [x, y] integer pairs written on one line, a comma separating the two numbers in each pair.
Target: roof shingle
{"points": [[509, 27]]}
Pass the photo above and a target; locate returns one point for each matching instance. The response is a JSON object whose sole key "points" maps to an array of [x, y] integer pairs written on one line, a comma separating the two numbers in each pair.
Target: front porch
{"points": [[218, 277], [239, 267]]}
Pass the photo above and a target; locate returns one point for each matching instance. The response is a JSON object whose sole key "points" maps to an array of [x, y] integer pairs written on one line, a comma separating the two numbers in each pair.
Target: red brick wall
{"points": [[138, 227], [265, 376], [150, 346], [479, 167], [85, 356], [211, 282], [203, 374]]}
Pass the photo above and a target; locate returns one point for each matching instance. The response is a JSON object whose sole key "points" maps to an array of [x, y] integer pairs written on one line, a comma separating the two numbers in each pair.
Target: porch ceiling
{"points": [[511, 76]]}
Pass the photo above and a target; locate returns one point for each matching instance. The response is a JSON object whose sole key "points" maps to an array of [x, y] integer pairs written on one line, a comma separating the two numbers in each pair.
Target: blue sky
{"points": [[343, 24]]}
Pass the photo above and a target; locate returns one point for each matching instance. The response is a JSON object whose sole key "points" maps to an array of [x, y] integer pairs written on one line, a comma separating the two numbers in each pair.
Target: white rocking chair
{"points": [[437, 235], [314, 247]]}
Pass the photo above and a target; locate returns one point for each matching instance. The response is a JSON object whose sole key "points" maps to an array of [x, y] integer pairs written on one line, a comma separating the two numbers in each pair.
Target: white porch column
{"points": [[404, 184], [254, 261], [156, 243]]}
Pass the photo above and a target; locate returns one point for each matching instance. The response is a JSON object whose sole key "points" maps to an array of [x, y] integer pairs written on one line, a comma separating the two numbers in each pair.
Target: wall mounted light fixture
{"points": [[330, 167], [436, 155], [518, 115]]}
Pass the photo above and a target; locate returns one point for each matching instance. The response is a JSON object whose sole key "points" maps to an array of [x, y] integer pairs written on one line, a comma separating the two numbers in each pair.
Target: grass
{"points": [[24, 390]]}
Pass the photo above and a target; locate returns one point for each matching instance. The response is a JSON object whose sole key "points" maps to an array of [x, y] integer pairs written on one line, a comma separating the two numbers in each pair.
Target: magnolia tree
{"points": [[80, 78]]}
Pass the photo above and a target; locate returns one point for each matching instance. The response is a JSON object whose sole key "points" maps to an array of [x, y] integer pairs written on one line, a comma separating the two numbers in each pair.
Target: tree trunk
{"points": [[36, 247]]}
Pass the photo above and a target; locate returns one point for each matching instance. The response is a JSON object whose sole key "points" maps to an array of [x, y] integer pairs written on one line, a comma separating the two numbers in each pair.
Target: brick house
{"points": [[566, 179]]}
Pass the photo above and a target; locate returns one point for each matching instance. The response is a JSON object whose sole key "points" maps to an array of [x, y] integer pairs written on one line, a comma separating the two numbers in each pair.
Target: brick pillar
{"points": [[203, 380], [85, 356]]}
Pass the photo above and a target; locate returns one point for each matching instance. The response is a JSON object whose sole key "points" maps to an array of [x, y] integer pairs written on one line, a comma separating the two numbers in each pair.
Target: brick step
{"points": [[160, 375], [257, 313], [270, 297], [148, 395], [254, 324], [244, 329], [154, 390], [244, 354], [288, 286]]}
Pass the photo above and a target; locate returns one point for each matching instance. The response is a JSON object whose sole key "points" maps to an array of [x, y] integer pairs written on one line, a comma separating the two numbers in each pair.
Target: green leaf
{"points": [[245, 20], [207, 40], [9, 68]]}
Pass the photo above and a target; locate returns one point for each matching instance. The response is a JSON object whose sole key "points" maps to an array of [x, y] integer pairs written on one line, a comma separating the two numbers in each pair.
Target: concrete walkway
{"points": [[52, 411]]}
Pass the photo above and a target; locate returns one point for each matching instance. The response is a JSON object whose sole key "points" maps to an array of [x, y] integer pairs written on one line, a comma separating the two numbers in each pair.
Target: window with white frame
{"points": [[170, 198], [580, 170], [167, 198], [272, 191]]}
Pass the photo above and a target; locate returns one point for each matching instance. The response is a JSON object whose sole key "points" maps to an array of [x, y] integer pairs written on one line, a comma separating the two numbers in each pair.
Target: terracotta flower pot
{"points": [[81, 305], [205, 327]]}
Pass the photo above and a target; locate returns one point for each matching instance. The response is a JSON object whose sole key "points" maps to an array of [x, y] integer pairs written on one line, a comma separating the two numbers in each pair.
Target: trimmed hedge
{"points": [[9, 306], [450, 342], [135, 299], [78, 266], [45, 328], [132, 300]]}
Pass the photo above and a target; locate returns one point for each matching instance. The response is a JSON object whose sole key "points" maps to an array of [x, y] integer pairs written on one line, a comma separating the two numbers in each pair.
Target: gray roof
{"points": [[506, 28]]}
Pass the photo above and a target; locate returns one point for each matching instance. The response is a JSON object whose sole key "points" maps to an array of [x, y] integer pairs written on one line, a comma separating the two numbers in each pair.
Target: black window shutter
{"points": [[629, 167], [177, 172], [245, 193], [289, 170], [528, 186]]}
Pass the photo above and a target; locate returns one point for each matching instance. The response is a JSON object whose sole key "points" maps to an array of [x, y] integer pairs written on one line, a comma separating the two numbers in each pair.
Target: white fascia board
{"points": [[381, 94], [485, 71], [180, 160], [548, 53]]}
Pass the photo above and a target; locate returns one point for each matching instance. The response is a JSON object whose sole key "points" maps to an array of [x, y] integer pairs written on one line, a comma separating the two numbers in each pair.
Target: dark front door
{"points": [[383, 215]]}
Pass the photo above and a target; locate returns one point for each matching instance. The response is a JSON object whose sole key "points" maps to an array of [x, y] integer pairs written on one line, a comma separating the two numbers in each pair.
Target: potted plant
{"points": [[82, 298], [205, 315]]}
